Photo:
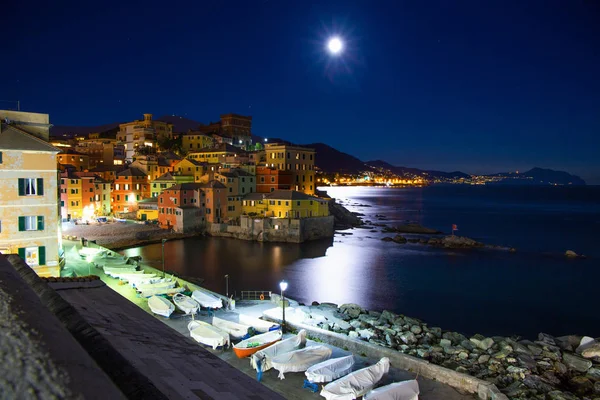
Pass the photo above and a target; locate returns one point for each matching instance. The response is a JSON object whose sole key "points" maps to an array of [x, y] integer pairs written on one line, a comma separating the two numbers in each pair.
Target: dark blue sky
{"points": [[480, 86]]}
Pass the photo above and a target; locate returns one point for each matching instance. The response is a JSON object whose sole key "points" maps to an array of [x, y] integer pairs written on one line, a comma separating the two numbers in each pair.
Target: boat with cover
{"points": [[90, 251], [156, 291], [207, 334], [261, 360], [133, 277], [115, 272], [330, 370], [185, 303], [235, 330], [247, 347], [207, 300], [161, 306], [407, 390], [167, 284], [259, 325], [357, 383], [300, 360]]}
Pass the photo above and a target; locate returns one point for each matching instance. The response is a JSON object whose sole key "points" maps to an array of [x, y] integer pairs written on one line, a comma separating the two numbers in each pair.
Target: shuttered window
{"points": [[31, 223], [31, 187]]}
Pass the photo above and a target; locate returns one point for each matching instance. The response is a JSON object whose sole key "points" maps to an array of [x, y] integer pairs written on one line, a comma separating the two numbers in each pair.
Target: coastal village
{"points": [[118, 324]]}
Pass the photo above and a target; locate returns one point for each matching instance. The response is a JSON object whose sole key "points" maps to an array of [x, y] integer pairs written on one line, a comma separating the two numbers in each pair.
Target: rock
{"points": [[576, 363], [435, 331], [591, 351], [356, 324], [353, 334], [483, 344], [536, 383], [366, 333], [326, 326], [560, 368], [570, 253], [503, 353], [315, 303], [526, 361], [423, 353], [558, 395], [597, 387], [416, 329], [390, 340], [584, 343], [569, 342], [399, 239], [463, 355], [454, 337], [467, 344], [445, 342], [460, 242], [352, 310], [329, 305], [535, 350], [451, 350], [581, 385], [388, 316], [544, 338], [594, 373], [408, 338], [515, 370], [483, 359], [387, 239]]}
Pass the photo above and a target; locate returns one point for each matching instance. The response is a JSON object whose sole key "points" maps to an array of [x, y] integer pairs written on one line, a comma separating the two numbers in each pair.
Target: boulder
{"points": [[585, 342], [483, 359], [594, 373], [399, 239], [536, 383], [388, 316], [544, 338], [571, 253], [483, 344], [423, 353], [568, 343], [353, 334], [416, 329], [591, 351], [558, 395], [576, 363], [351, 309], [460, 242], [387, 239], [435, 331], [454, 337], [581, 385], [445, 342], [408, 338], [504, 352]]}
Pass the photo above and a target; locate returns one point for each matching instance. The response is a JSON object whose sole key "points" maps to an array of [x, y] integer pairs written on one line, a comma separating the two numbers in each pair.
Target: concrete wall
{"points": [[484, 390]]}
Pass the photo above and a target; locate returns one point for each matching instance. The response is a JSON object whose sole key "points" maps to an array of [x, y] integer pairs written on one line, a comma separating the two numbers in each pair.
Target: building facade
{"points": [[299, 160], [29, 222], [271, 179], [285, 204], [130, 186], [137, 134], [238, 183], [79, 161]]}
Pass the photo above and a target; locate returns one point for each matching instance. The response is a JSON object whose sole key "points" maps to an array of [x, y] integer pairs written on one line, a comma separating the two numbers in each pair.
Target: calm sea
{"points": [[534, 290]]}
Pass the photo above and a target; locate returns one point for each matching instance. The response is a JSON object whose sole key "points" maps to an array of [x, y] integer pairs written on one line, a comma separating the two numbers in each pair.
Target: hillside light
{"points": [[266, 140], [283, 286]]}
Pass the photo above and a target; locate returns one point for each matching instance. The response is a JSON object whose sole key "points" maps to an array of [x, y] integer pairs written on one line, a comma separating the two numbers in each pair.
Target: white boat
{"points": [[207, 300], [247, 347], [300, 360], [259, 325], [121, 270], [90, 251], [146, 280], [133, 277], [186, 303], [161, 285], [207, 334], [155, 291], [161, 306], [261, 360], [235, 330], [407, 390], [357, 383], [330, 370]]}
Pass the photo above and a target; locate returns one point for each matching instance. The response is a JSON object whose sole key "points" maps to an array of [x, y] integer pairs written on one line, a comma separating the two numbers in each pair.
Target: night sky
{"points": [[479, 86]]}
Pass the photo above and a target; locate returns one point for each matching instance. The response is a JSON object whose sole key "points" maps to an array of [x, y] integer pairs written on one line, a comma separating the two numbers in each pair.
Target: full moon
{"points": [[335, 45]]}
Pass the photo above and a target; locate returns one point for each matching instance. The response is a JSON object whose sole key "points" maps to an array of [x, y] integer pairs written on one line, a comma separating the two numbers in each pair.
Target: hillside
{"points": [[331, 160]]}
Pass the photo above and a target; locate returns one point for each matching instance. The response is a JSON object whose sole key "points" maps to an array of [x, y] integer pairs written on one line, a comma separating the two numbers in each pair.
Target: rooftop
{"points": [[13, 138]]}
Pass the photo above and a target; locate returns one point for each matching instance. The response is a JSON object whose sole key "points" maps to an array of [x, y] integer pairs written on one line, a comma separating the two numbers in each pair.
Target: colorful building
{"points": [[285, 204], [299, 160], [83, 195], [29, 222], [153, 166], [238, 183], [166, 181], [148, 209], [130, 186], [192, 168], [215, 154], [146, 132], [271, 179], [194, 140], [107, 172], [79, 161], [101, 151]]}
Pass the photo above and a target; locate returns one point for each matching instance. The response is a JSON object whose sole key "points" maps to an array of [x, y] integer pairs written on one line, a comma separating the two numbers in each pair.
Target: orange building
{"points": [[271, 179], [129, 187], [78, 160]]}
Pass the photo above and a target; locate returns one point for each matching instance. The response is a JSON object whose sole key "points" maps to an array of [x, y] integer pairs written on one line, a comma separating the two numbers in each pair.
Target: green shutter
{"points": [[22, 253], [42, 255], [21, 187], [40, 223], [21, 224], [40, 186], [0, 157]]}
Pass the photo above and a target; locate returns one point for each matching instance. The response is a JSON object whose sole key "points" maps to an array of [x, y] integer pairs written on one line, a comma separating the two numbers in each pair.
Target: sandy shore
{"points": [[119, 235]]}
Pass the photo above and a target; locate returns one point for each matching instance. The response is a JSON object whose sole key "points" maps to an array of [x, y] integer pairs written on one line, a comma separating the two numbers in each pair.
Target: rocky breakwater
{"points": [[449, 242], [343, 219], [549, 368]]}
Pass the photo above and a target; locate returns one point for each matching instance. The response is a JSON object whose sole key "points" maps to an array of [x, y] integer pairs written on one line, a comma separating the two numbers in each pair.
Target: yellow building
{"points": [[29, 221], [194, 141], [153, 166], [284, 204], [299, 160], [166, 181], [136, 134], [215, 154], [189, 167]]}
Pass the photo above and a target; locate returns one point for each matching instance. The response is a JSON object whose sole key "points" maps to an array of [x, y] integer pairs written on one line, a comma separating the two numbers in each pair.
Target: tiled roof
{"points": [[165, 177], [132, 172], [186, 186], [13, 138], [213, 184]]}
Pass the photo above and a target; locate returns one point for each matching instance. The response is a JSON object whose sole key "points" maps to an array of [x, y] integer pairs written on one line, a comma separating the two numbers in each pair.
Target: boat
{"points": [[300, 360], [144, 280], [90, 251], [207, 334], [161, 306], [207, 300], [330, 370], [259, 325], [156, 291], [247, 347], [357, 383], [121, 270], [185, 303], [129, 277], [160, 285], [407, 390], [235, 330], [261, 360]]}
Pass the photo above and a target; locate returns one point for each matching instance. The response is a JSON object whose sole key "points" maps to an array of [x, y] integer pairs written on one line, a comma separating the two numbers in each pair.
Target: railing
{"points": [[255, 294]]}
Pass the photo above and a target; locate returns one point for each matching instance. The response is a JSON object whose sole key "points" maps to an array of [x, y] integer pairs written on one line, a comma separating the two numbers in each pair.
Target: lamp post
{"points": [[227, 285], [163, 256], [283, 286]]}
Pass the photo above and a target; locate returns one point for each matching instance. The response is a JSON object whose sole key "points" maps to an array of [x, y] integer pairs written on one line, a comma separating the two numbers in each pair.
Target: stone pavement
{"points": [[183, 367]]}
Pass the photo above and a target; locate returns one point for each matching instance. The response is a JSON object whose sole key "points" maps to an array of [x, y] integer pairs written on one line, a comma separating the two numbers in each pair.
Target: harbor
{"points": [[117, 315]]}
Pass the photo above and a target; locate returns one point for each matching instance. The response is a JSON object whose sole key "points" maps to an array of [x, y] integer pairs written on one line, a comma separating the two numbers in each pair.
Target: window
{"points": [[310, 178], [33, 256], [278, 202], [62, 203], [310, 202], [31, 187], [298, 203], [117, 186], [118, 197], [184, 201], [103, 197], [272, 179], [31, 223]]}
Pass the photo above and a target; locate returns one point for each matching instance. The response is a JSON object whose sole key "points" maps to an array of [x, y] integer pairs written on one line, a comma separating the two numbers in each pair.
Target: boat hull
{"points": [[247, 352]]}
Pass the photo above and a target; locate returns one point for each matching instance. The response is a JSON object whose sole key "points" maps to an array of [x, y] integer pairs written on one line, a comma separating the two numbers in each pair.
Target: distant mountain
{"points": [[331, 160], [415, 171], [539, 176]]}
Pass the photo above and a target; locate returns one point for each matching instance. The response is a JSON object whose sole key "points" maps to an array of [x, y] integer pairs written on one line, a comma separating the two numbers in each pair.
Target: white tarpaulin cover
{"points": [[330, 370], [259, 325], [207, 300], [300, 360], [233, 328], [266, 355], [292, 314], [407, 390], [357, 383], [208, 334]]}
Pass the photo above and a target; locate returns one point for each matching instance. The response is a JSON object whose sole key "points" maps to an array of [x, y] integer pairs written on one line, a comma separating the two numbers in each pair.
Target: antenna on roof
{"points": [[13, 101]]}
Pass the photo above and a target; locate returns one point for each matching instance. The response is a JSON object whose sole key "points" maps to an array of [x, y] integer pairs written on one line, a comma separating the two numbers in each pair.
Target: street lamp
{"points": [[283, 286], [227, 285], [163, 256]]}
